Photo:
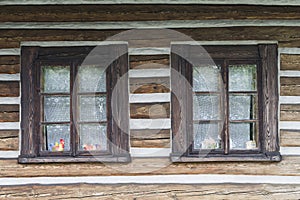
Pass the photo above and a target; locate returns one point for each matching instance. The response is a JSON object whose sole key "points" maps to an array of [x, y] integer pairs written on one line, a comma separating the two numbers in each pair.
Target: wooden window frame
{"points": [[266, 56], [31, 59]]}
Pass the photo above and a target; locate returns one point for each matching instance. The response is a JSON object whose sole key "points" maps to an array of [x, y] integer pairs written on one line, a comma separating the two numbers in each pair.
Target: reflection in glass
{"points": [[56, 137], [242, 107], [55, 79], [92, 108], [242, 77], [93, 137], [206, 78], [56, 108], [241, 133], [206, 136], [92, 79], [206, 107]]}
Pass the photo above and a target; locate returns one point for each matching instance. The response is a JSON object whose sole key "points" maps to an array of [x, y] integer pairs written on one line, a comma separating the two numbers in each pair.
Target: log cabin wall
{"points": [[202, 22]]}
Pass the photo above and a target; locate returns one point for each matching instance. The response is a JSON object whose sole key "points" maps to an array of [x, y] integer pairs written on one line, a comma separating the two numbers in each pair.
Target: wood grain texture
{"points": [[289, 138], [9, 113], [150, 111], [144, 12], [152, 191], [9, 64], [289, 62], [149, 85], [287, 36], [9, 89], [9, 140], [290, 165], [290, 112], [150, 143], [290, 86], [146, 62]]}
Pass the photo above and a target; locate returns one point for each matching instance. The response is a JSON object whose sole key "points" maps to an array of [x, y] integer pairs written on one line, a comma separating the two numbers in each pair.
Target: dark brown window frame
{"points": [[31, 59], [266, 56]]}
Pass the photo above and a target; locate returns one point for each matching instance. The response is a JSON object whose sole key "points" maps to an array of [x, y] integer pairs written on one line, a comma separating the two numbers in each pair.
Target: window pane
{"points": [[207, 136], [56, 137], [206, 107], [92, 108], [242, 107], [93, 137], [206, 78], [242, 78], [92, 79], [241, 133], [56, 108], [55, 79]]}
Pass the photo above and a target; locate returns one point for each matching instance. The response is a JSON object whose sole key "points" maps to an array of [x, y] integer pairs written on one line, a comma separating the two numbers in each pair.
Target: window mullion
{"points": [[73, 117], [226, 108]]}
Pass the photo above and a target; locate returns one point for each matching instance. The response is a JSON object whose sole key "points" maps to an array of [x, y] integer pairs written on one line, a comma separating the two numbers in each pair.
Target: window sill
{"points": [[125, 158], [276, 157]]}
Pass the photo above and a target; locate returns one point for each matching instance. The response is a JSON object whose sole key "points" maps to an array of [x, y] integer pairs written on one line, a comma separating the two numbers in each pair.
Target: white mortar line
{"points": [[9, 154], [155, 179], [9, 100], [226, 42], [150, 152], [149, 98], [150, 123], [290, 151], [9, 77], [214, 2], [9, 125], [69, 43], [149, 51], [288, 125], [10, 52], [289, 73], [289, 99], [148, 73], [289, 50], [148, 24]]}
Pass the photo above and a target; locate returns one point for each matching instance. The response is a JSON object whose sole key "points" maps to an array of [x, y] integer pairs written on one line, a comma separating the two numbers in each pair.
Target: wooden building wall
{"points": [[19, 23]]}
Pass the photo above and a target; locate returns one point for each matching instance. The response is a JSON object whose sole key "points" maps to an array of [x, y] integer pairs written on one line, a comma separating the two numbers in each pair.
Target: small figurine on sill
{"points": [[57, 146]]}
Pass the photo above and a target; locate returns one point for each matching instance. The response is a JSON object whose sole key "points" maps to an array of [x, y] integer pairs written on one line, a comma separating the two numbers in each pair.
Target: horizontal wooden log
{"points": [[137, 84], [150, 134], [9, 140], [151, 88], [9, 64], [290, 165], [289, 62], [146, 62], [290, 86], [143, 12], [150, 111], [9, 113], [287, 36], [150, 143], [290, 138], [9, 89], [152, 191], [290, 112]]}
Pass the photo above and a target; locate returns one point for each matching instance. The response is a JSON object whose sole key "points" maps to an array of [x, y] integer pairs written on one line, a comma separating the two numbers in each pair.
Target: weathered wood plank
{"points": [[290, 86], [150, 111], [9, 89], [150, 134], [146, 62], [9, 113], [153, 191], [290, 165], [287, 36], [290, 138], [289, 62], [9, 140], [137, 85], [9, 64], [144, 12], [290, 112], [150, 143]]}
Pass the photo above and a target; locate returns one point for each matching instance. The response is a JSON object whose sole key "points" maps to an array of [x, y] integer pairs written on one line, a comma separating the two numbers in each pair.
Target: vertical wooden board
{"points": [[290, 138], [9, 64], [269, 70], [289, 62]]}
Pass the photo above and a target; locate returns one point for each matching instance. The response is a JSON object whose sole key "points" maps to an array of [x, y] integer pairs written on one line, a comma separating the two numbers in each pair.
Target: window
{"points": [[69, 110], [224, 103]]}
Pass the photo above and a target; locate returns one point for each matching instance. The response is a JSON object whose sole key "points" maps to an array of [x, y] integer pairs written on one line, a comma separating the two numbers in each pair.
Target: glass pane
{"points": [[55, 79], [93, 137], [92, 108], [206, 78], [56, 137], [206, 107], [56, 108], [242, 107], [242, 78], [242, 134], [207, 136], [92, 79]]}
